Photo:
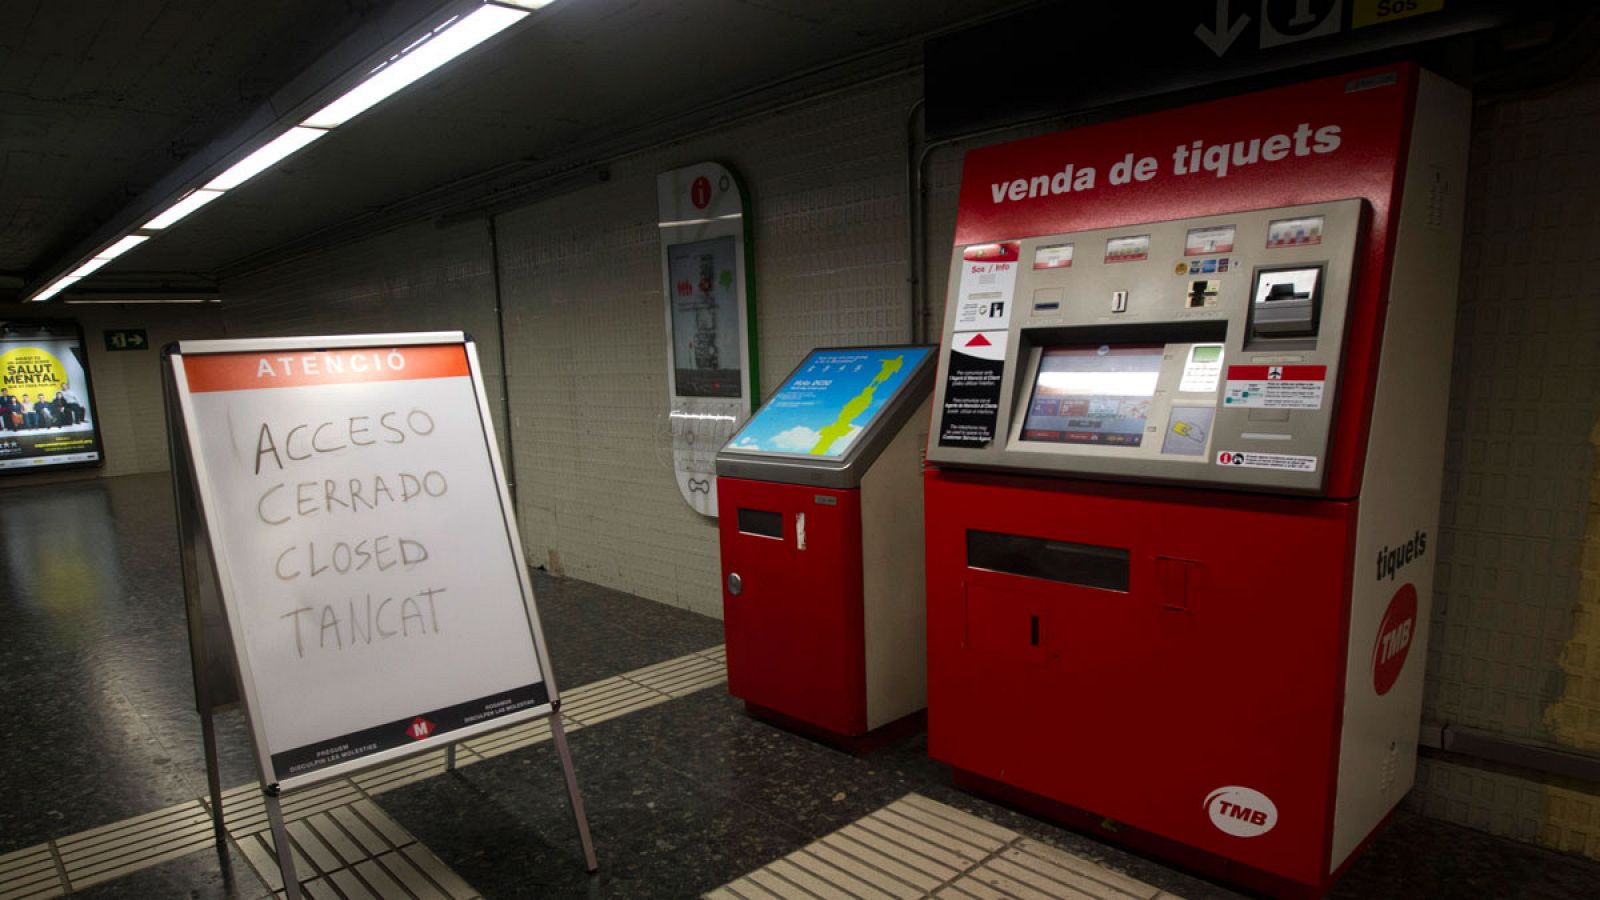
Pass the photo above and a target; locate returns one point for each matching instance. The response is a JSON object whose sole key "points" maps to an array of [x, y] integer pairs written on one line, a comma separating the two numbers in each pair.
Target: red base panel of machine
{"points": [[795, 632], [1198, 702]]}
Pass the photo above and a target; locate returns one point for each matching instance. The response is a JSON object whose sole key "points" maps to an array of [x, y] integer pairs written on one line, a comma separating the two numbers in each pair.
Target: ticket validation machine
{"points": [[1185, 466], [821, 527]]}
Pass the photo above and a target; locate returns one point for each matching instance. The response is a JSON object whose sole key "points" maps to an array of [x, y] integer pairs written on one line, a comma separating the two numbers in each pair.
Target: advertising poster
{"points": [[46, 417], [827, 403], [705, 317]]}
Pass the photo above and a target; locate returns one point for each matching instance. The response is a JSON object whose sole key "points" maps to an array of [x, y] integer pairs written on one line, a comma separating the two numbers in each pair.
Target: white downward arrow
{"points": [[1223, 37]]}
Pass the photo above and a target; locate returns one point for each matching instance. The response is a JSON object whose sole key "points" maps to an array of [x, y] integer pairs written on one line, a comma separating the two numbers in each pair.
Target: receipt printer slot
{"points": [[1285, 303]]}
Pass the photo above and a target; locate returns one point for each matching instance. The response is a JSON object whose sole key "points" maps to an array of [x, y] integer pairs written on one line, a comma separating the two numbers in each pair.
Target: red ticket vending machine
{"points": [[820, 512], [1185, 468]]}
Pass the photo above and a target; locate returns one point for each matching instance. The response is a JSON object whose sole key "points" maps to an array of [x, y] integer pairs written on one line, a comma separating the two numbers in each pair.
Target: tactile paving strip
{"points": [[393, 866], [356, 852], [916, 847], [30, 874]]}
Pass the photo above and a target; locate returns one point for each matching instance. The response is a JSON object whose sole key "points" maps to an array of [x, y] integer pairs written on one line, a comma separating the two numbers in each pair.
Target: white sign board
{"points": [[369, 564]]}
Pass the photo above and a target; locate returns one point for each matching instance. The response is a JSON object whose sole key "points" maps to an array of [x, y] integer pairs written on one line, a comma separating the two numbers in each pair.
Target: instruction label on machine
{"points": [[1283, 461], [988, 279], [1275, 387], [972, 388]]}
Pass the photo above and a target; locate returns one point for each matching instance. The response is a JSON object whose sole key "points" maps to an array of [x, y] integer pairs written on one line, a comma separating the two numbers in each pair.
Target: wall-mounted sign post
{"points": [[351, 559], [711, 338]]}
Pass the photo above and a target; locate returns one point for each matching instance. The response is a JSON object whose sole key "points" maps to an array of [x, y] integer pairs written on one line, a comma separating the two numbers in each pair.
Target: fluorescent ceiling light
{"points": [[280, 147], [122, 246], [526, 4], [442, 47], [88, 267], [54, 289], [182, 208], [143, 301]]}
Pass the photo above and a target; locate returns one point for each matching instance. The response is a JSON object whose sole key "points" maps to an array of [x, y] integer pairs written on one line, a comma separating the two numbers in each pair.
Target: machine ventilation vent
{"points": [[1438, 191]]}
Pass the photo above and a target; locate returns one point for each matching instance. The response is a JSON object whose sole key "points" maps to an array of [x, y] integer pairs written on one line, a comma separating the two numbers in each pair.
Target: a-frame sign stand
{"points": [[221, 676]]}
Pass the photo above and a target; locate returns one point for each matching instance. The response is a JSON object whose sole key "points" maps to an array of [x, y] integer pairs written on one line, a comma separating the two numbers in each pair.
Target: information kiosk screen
{"points": [[833, 397], [705, 318], [1093, 395]]}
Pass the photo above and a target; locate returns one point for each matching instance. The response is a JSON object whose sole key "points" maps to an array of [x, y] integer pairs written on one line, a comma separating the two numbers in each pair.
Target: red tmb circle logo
{"points": [[700, 192], [1395, 634]]}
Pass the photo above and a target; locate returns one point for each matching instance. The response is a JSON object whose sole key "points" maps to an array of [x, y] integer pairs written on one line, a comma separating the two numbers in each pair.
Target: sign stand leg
{"points": [[208, 731], [280, 842], [450, 757], [578, 815], [195, 585]]}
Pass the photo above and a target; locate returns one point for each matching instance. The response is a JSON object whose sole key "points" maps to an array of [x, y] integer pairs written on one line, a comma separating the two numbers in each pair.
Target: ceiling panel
{"points": [[98, 100]]}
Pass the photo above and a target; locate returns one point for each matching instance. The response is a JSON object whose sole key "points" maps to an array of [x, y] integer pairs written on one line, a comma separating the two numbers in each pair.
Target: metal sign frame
{"points": [[223, 676]]}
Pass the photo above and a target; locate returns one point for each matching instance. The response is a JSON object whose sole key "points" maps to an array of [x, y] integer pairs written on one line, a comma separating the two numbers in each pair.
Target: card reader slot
{"points": [[1085, 565], [761, 522]]}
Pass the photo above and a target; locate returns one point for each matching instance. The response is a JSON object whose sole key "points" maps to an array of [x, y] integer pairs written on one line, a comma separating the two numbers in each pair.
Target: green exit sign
{"points": [[127, 339]]}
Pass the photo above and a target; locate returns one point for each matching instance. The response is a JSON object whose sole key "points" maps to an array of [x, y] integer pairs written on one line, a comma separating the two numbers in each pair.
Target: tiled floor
{"points": [[916, 847], [686, 794]]}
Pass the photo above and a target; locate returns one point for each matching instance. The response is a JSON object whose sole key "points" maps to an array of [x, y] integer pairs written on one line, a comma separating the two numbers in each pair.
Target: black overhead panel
{"points": [[1069, 57]]}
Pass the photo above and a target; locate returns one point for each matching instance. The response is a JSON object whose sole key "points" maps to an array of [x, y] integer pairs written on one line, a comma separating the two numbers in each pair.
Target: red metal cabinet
{"points": [[794, 630]]}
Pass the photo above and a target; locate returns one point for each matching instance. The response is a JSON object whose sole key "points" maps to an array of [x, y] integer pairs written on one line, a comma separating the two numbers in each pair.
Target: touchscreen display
{"points": [[705, 318], [1093, 395], [829, 401]]}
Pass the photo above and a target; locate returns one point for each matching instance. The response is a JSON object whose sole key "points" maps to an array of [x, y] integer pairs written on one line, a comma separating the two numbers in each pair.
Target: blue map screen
{"points": [[829, 401]]}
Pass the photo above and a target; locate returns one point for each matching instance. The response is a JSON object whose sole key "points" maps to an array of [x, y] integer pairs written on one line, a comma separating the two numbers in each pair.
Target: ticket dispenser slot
{"points": [[1285, 306], [761, 522], [1085, 565], [1021, 622]]}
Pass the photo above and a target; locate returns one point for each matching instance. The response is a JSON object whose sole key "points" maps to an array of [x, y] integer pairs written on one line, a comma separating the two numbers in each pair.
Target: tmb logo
{"points": [[1241, 811], [1395, 633]]}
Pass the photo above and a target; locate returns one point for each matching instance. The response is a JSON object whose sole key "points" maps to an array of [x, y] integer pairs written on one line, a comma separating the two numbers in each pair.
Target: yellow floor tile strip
{"points": [[30, 874], [356, 852], [331, 820], [916, 847]]}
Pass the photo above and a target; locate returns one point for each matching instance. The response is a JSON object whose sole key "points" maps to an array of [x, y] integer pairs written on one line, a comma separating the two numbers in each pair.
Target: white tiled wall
{"points": [[1515, 647], [418, 278], [587, 337]]}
